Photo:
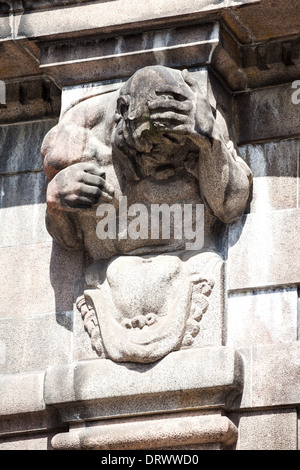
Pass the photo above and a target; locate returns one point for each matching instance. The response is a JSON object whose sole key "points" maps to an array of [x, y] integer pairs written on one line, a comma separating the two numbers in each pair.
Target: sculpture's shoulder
{"points": [[83, 133]]}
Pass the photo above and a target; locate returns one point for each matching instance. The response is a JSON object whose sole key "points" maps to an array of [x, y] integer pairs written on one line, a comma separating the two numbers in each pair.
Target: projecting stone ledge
{"points": [[201, 378], [155, 433], [178, 401]]}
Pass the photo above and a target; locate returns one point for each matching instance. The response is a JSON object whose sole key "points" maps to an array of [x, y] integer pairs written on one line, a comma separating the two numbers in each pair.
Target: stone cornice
{"points": [[35, 19], [80, 41], [137, 390], [95, 59]]}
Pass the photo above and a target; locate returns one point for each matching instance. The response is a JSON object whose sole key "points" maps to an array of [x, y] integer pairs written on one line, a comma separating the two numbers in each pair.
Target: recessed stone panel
{"points": [[120, 56]]}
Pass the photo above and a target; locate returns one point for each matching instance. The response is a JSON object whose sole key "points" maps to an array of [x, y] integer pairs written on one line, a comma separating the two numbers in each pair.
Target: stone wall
{"points": [[238, 387]]}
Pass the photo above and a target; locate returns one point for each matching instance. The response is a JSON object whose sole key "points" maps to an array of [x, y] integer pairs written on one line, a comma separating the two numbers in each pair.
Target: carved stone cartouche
{"points": [[149, 306]]}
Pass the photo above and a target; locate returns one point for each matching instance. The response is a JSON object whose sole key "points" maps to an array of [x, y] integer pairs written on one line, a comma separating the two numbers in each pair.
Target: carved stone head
{"points": [[145, 87]]}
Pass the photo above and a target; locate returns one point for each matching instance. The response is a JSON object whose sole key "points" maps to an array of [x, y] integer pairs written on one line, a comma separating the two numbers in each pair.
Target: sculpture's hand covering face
{"points": [[154, 103]]}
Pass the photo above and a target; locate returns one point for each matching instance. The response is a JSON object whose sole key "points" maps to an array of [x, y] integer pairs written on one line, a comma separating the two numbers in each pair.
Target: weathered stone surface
{"points": [[151, 433], [22, 393], [23, 225], [22, 212], [278, 62], [276, 116], [121, 56], [203, 376], [256, 65], [265, 20], [29, 421], [14, 189], [29, 99], [260, 317], [51, 20], [267, 430], [26, 342], [271, 376], [275, 169], [21, 146], [37, 279], [107, 16], [263, 250], [281, 362], [12, 55], [31, 442]]}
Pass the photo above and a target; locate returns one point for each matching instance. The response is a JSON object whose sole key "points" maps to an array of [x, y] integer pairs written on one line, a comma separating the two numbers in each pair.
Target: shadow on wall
{"points": [[66, 269]]}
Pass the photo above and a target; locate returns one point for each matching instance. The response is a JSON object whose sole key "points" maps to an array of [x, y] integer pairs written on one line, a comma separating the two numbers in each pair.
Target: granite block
{"points": [[21, 146], [102, 388], [276, 116], [275, 167], [264, 250], [261, 317], [21, 393], [271, 376], [37, 279], [265, 430], [35, 342], [275, 375]]}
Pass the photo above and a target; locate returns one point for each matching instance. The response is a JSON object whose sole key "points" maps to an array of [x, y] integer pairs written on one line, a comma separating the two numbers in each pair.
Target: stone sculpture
{"points": [[153, 142]]}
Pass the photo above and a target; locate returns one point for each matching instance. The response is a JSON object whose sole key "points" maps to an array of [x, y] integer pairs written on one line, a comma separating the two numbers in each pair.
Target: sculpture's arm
{"points": [[224, 178], [70, 154]]}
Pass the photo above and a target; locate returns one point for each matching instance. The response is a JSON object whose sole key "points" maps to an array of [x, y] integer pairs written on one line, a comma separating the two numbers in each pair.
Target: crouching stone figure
{"points": [[115, 161]]}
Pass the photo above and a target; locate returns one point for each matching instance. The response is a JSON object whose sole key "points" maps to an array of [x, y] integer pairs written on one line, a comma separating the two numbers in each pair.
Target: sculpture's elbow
{"points": [[237, 196], [229, 217], [47, 152], [234, 206]]}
